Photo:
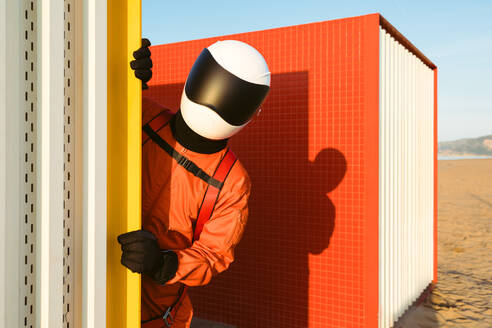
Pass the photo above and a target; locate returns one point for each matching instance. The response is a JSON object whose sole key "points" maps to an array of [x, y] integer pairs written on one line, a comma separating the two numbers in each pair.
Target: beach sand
{"points": [[463, 294]]}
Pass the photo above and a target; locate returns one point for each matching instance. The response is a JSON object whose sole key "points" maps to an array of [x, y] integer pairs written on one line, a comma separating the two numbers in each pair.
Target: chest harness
{"points": [[214, 186]]}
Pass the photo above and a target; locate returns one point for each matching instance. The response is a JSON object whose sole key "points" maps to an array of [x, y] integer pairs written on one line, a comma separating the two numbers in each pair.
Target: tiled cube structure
{"points": [[309, 256]]}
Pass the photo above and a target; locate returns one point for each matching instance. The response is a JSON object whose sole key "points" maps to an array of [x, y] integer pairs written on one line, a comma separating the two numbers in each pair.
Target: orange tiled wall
{"points": [[308, 257]]}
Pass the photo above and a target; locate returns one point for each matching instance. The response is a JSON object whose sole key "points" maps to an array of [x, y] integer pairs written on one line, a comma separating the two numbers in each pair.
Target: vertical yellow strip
{"points": [[124, 140]]}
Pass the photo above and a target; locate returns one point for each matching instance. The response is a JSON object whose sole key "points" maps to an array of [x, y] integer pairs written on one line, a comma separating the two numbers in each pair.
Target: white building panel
{"points": [[72, 171], [49, 216], [29, 167], [406, 178], [12, 139], [19, 158], [94, 164]]}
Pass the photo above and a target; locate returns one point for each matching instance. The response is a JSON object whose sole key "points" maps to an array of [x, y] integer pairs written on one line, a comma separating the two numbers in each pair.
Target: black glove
{"points": [[141, 254], [142, 64]]}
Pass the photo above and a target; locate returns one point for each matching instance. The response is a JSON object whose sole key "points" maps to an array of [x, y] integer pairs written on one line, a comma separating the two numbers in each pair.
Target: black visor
{"points": [[233, 98]]}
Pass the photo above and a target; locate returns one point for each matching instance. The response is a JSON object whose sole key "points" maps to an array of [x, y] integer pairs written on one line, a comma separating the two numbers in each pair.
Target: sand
{"points": [[463, 294]]}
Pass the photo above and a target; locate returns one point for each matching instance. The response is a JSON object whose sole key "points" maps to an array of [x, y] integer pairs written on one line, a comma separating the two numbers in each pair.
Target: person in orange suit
{"points": [[181, 156]]}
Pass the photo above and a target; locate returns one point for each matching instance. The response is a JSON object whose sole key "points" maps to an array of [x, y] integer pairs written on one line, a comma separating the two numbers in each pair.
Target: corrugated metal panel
{"points": [[3, 164], [17, 93], [29, 167], [69, 150], [41, 116], [406, 178], [93, 113], [49, 216]]}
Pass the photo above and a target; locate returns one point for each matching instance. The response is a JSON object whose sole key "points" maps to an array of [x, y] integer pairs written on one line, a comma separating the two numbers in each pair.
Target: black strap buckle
{"points": [[168, 318], [185, 162]]}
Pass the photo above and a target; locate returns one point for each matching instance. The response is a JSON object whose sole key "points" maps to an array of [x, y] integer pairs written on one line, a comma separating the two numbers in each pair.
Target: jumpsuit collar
{"points": [[191, 140]]}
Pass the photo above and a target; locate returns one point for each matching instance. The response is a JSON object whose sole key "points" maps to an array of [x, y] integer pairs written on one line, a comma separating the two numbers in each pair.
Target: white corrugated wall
{"points": [[18, 157], [15, 301], [406, 182], [53, 163]]}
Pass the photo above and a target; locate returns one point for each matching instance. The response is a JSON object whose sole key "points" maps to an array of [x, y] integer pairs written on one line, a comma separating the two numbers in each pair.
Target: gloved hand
{"points": [[142, 64], [142, 254]]}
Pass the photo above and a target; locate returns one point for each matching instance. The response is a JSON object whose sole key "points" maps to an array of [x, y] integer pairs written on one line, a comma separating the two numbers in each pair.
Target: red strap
{"points": [[212, 193], [157, 123], [208, 205]]}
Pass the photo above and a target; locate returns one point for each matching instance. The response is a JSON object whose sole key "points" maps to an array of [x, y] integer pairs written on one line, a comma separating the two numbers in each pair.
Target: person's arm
{"points": [[213, 252]]}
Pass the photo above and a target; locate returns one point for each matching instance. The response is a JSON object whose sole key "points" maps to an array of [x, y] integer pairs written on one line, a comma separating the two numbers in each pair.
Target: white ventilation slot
{"points": [[68, 169], [406, 192], [28, 169]]}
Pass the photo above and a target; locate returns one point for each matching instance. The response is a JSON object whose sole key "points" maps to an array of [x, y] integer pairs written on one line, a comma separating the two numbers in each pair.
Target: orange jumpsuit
{"points": [[171, 198]]}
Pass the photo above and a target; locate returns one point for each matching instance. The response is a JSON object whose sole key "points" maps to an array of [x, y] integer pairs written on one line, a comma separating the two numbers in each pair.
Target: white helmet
{"points": [[225, 87]]}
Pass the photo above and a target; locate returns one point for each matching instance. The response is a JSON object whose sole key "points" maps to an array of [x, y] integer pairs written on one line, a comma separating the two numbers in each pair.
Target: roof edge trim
{"points": [[404, 41]]}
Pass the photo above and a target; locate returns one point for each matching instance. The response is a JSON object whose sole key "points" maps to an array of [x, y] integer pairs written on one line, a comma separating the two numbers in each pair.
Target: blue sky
{"points": [[455, 35]]}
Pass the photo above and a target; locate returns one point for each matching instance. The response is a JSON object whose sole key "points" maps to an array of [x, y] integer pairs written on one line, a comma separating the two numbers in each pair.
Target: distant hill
{"points": [[466, 147]]}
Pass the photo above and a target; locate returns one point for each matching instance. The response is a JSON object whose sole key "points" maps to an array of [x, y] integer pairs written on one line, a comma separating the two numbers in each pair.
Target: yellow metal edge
{"points": [[124, 159], [134, 24]]}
